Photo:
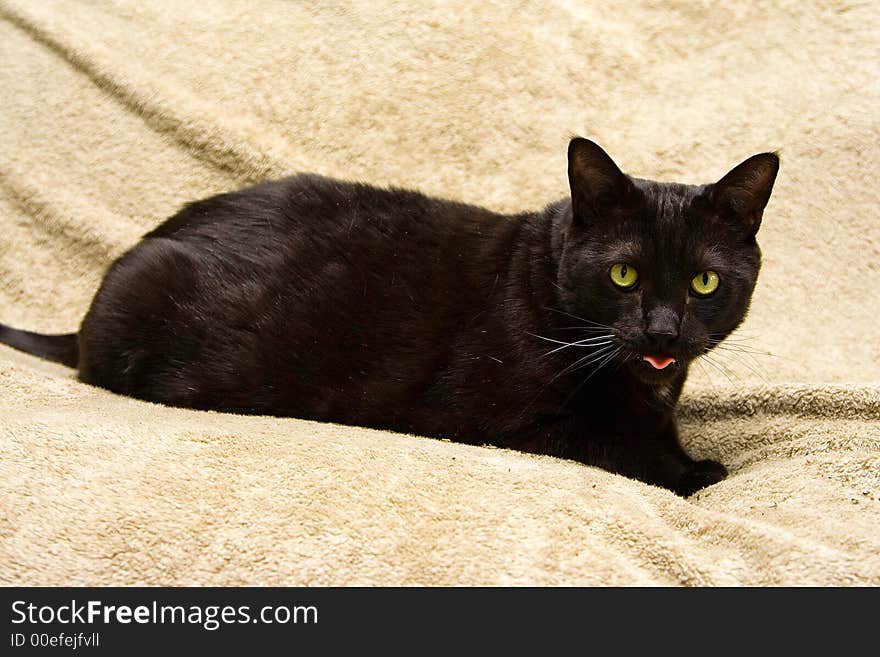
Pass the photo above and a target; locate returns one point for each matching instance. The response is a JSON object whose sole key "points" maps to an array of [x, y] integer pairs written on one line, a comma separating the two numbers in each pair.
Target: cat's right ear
{"points": [[596, 183]]}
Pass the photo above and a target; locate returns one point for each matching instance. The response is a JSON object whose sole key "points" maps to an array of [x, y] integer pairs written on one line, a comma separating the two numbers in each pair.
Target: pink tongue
{"points": [[659, 362]]}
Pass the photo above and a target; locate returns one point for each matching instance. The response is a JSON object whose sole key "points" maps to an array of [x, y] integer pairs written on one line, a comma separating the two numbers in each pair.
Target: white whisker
{"points": [[583, 362], [591, 342], [718, 367], [580, 319], [541, 337], [580, 328], [602, 364], [607, 360], [752, 367]]}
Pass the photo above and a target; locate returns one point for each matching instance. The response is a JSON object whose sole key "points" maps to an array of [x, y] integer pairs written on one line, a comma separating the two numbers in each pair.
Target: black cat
{"points": [[567, 331]]}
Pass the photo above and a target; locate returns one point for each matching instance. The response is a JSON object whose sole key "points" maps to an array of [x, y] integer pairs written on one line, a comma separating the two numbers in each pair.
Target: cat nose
{"points": [[662, 326]]}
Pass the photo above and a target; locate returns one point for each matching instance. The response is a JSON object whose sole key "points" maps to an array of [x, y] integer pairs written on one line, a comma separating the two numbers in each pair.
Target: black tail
{"points": [[62, 349]]}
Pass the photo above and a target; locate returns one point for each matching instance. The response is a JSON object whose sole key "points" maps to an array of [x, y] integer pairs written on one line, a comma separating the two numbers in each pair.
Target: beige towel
{"points": [[113, 114]]}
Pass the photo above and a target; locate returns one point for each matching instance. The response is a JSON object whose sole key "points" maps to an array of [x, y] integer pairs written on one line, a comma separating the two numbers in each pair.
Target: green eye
{"points": [[705, 283], [623, 275]]}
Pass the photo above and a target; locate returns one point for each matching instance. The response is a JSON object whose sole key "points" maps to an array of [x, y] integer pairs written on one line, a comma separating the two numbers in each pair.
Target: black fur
{"points": [[328, 300], [59, 348]]}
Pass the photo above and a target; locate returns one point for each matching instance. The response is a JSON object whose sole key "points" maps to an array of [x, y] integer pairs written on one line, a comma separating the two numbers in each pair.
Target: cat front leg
{"points": [[700, 475], [672, 468], [655, 459]]}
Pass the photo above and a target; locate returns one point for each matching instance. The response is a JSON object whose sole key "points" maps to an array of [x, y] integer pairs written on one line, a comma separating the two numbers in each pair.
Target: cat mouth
{"points": [[659, 362], [656, 369]]}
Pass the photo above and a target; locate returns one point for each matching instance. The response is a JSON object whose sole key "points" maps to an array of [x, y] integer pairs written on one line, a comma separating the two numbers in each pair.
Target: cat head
{"points": [[667, 269]]}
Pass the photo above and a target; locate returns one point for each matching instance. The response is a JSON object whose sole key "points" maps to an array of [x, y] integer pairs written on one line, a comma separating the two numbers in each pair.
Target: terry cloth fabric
{"points": [[113, 114]]}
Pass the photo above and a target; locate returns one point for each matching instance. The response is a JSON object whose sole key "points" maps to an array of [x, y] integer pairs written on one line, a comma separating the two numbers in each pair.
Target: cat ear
{"points": [[596, 183], [743, 193]]}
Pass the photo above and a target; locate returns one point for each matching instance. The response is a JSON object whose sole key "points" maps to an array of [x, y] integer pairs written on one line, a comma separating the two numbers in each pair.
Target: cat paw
{"points": [[701, 474]]}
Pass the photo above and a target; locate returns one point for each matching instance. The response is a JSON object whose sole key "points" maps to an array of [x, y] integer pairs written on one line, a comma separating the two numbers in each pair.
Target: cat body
{"points": [[327, 300]]}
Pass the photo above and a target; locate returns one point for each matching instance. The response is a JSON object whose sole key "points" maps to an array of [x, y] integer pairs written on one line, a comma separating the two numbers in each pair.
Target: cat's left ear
{"points": [[743, 193], [597, 184]]}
